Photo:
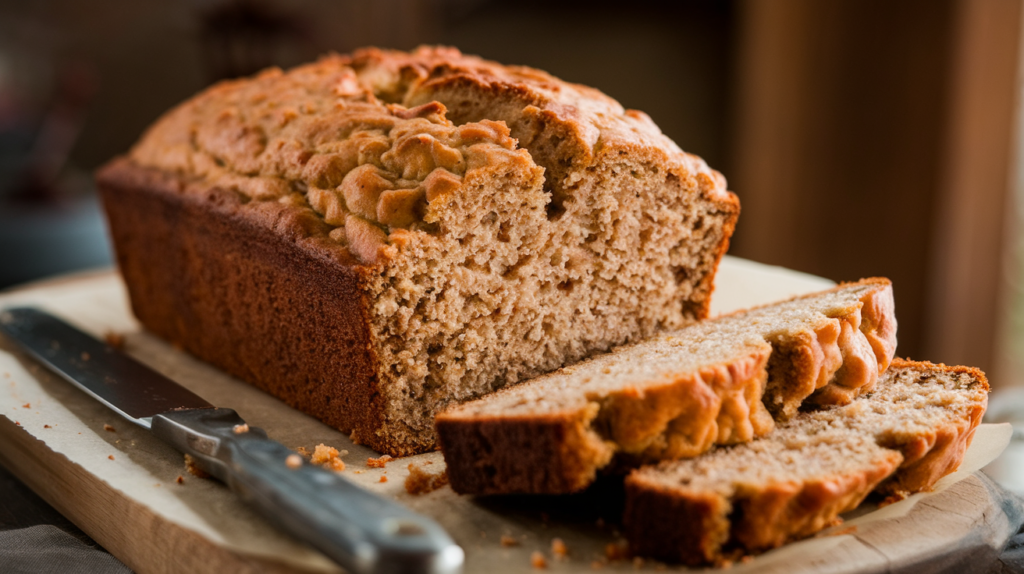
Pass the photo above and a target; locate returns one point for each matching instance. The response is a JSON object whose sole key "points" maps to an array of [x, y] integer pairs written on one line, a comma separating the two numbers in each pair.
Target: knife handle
{"points": [[360, 530]]}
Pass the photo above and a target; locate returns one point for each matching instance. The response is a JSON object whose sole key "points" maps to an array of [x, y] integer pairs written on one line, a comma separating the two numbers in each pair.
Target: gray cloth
{"points": [[45, 548]]}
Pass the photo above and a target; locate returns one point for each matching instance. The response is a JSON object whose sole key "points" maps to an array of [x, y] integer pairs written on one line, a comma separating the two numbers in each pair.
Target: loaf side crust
{"points": [[211, 277]]}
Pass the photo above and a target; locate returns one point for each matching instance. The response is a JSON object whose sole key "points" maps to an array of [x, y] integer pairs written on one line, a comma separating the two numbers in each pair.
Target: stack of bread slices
{"points": [[738, 433]]}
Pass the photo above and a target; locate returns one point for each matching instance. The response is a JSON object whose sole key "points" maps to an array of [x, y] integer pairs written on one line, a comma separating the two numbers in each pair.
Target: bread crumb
{"points": [[616, 551], [359, 472], [378, 462], [748, 558], [180, 479], [293, 461], [892, 499], [508, 541], [538, 561], [114, 339], [558, 549], [383, 478], [26, 406], [328, 457], [242, 428], [420, 481], [47, 427], [109, 428], [17, 423], [303, 451], [193, 468], [111, 457], [85, 356]]}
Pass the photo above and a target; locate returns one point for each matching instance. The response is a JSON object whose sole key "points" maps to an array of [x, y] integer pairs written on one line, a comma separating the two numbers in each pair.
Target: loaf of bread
{"points": [[673, 396], [912, 430], [375, 237]]}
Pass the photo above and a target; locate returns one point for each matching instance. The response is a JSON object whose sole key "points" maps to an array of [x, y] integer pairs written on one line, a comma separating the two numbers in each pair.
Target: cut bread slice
{"points": [[675, 395], [901, 438]]}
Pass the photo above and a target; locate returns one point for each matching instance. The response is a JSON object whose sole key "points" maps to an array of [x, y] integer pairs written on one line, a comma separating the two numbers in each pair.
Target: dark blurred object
{"points": [[242, 37], [49, 221]]}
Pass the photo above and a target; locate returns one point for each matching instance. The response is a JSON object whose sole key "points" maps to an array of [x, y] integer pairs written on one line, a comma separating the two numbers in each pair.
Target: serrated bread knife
{"points": [[361, 531]]}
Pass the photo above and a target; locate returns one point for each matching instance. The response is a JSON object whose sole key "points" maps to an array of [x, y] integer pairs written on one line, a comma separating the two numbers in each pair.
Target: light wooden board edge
{"points": [[128, 530]]}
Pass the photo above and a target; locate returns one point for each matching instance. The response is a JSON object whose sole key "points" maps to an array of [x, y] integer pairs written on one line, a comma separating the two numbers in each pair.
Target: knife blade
{"points": [[361, 531]]}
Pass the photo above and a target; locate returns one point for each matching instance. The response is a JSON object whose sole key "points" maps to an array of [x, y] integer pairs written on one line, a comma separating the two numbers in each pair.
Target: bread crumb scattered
{"points": [[17, 423], [558, 549], [109, 428], [242, 428], [303, 451], [114, 339], [508, 541], [420, 481], [85, 356], [538, 561], [616, 551], [26, 406], [47, 427], [180, 479], [111, 457], [378, 462], [359, 472], [293, 461], [193, 468], [383, 478]]}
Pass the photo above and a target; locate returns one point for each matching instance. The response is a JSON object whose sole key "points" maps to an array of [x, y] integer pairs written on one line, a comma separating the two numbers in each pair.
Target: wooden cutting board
{"points": [[121, 486]]}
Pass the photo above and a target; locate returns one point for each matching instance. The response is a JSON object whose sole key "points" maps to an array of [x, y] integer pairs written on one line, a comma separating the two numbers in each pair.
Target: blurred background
{"points": [[864, 137]]}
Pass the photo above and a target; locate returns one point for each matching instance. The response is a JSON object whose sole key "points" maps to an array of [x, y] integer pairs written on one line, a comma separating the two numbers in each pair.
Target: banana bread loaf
{"points": [[901, 438], [673, 396], [375, 237]]}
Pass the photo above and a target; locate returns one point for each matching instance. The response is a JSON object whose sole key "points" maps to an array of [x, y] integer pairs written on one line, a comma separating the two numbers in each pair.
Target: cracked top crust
{"points": [[375, 141]]}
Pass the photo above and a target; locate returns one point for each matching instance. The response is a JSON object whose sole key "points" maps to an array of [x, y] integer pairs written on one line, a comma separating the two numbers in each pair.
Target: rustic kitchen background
{"points": [[864, 137]]}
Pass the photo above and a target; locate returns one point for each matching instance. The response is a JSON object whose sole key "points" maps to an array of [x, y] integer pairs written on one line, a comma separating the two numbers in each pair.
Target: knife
{"points": [[361, 531]]}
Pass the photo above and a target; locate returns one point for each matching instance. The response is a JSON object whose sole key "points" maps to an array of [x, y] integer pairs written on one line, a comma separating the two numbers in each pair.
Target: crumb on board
{"points": [[359, 472], [114, 339], [380, 462], [383, 478], [558, 548], [508, 541], [109, 428], [747, 559], [303, 451], [615, 551], [891, 499], [239, 429], [420, 481], [293, 461], [328, 457], [47, 427], [193, 468], [17, 423], [26, 406], [111, 457], [180, 479], [538, 561]]}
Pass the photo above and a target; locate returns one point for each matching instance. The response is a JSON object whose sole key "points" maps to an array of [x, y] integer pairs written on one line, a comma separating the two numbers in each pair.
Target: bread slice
{"points": [[901, 438], [375, 237], [675, 395]]}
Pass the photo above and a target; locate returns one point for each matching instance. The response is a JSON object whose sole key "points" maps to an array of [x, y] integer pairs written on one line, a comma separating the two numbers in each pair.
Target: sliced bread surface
{"points": [[901, 438], [675, 395]]}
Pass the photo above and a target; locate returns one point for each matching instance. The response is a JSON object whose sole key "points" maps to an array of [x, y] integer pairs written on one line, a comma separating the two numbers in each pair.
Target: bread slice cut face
{"points": [[913, 429], [718, 382]]}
